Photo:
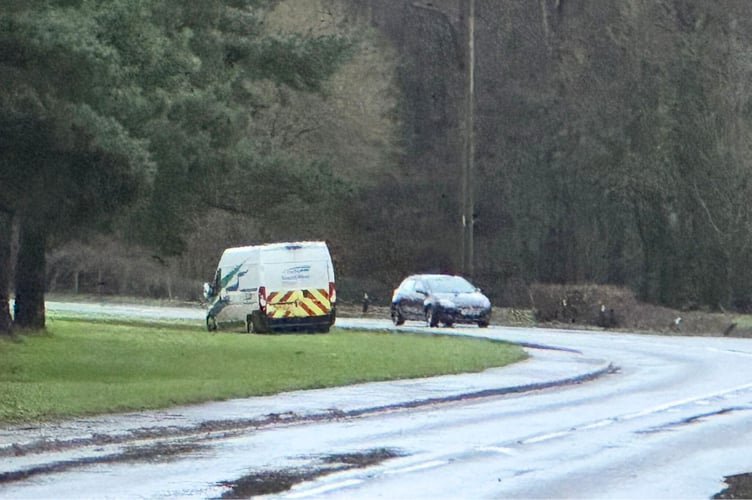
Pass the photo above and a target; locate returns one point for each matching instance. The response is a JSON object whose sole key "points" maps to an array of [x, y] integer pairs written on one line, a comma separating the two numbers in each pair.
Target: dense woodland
{"points": [[139, 138]]}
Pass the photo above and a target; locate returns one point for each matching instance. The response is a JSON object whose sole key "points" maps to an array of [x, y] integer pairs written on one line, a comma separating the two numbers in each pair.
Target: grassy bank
{"points": [[80, 368]]}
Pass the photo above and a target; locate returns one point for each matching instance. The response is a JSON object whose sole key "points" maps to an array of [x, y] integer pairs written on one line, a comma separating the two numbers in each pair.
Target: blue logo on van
{"points": [[296, 273]]}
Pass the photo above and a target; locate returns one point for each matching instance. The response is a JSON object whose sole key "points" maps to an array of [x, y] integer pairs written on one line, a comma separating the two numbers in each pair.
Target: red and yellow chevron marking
{"points": [[298, 303]]}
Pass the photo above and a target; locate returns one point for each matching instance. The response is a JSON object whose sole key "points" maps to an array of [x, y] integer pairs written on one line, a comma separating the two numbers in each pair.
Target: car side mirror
{"points": [[208, 291]]}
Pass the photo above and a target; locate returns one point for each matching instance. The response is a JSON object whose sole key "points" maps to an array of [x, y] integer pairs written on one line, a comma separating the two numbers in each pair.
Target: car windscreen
{"points": [[450, 284]]}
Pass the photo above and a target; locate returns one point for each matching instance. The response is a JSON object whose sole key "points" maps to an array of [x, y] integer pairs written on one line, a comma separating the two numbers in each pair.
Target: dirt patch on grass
{"points": [[662, 320], [615, 308]]}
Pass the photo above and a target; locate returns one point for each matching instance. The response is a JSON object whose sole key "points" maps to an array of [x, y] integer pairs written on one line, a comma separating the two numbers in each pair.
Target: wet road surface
{"points": [[610, 416]]}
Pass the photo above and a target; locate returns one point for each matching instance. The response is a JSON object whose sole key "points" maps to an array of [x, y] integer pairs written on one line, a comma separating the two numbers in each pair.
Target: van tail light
{"points": [[262, 299], [332, 292]]}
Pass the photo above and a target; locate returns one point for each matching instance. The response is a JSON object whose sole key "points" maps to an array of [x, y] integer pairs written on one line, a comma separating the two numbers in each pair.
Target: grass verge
{"points": [[81, 368]]}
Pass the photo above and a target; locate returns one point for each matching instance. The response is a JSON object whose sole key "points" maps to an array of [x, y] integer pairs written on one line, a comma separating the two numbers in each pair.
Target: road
{"points": [[633, 416]]}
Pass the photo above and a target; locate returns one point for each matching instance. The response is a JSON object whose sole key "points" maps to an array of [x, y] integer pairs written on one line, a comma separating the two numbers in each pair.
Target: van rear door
{"points": [[298, 282]]}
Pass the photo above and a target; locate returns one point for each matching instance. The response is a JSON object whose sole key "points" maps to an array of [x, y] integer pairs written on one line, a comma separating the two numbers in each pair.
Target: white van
{"points": [[277, 286]]}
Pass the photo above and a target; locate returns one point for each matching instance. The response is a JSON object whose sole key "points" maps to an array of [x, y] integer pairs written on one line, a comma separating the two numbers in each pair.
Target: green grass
{"points": [[81, 367], [743, 320]]}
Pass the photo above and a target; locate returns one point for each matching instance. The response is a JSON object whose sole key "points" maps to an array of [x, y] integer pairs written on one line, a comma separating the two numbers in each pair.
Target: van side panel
{"points": [[236, 288]]}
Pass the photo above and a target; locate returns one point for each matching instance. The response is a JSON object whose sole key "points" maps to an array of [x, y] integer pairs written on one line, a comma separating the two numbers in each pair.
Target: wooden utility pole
{"points": [[468, 161]]}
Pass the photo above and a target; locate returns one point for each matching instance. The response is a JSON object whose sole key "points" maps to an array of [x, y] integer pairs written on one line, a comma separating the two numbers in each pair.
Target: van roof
{"points": [[230, 255], [289, 245]]}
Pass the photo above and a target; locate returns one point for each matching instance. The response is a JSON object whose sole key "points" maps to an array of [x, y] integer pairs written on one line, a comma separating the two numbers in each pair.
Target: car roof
{"points": [[432, 276]]}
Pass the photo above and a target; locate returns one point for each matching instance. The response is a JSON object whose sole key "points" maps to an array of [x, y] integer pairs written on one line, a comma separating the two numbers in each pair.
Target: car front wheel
{"points": [[432, 319], [397, 318]]}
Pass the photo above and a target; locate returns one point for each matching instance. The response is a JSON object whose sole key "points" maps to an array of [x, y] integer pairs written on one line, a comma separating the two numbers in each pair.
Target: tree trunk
{"points": [[6, 231], [30, 274]]}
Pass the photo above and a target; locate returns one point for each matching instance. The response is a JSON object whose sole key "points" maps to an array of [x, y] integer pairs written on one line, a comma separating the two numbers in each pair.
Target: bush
{"points": [[106, 266]]}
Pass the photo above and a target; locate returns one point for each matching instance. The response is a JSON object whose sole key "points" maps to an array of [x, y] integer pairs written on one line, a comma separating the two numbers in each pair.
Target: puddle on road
{"points": [[739, 486], [276, 481]]}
